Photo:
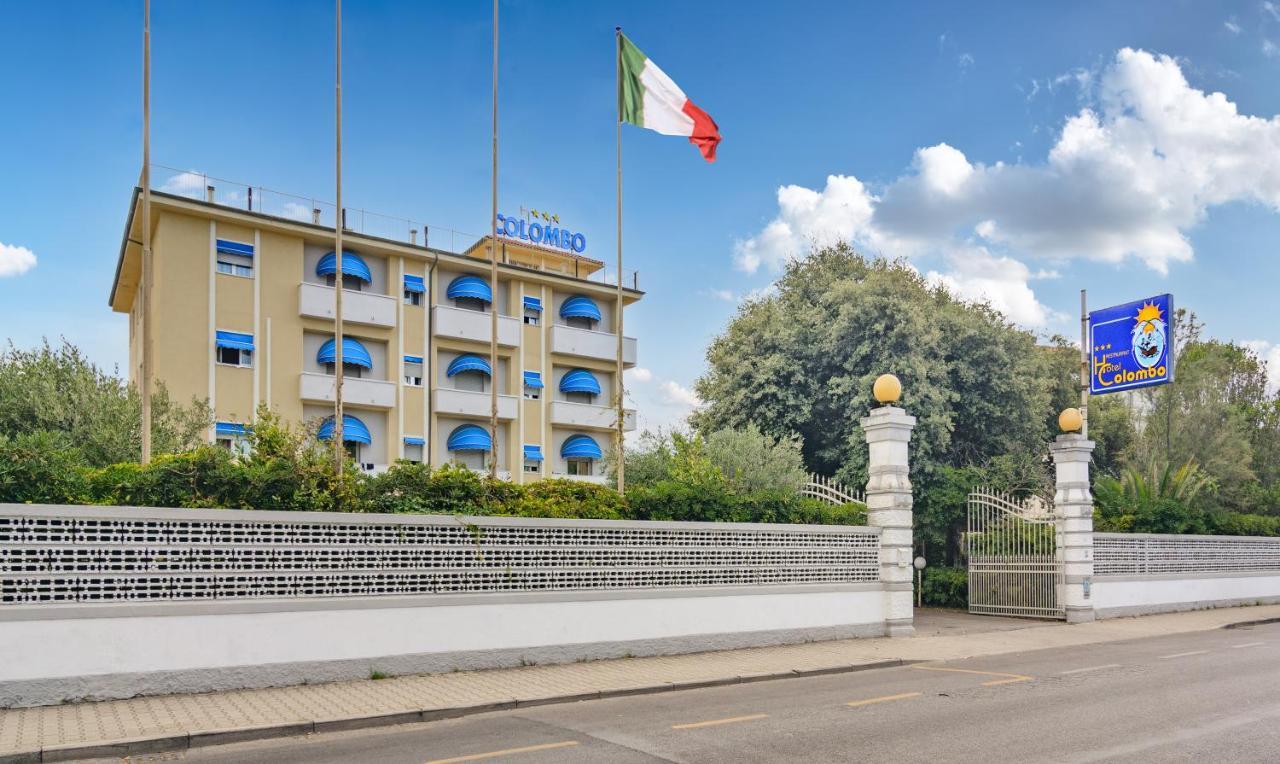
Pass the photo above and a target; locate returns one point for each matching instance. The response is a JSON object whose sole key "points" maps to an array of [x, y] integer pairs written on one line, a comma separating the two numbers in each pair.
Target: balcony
{"points": [[474, 325], [585, 343], [375, 393], [593, 417], [317, 301], [472, 404]]}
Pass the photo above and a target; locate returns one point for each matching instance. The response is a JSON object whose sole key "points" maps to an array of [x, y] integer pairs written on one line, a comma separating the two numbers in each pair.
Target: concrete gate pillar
{"points": [[888, 431], [1073, 506]]}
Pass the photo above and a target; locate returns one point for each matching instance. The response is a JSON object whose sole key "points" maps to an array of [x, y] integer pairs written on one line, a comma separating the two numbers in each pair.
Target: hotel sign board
{"points": [[1131, 345]]}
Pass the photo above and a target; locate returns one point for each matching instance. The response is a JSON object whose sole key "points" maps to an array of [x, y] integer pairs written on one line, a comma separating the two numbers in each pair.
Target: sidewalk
{"points": [[176, 722]]}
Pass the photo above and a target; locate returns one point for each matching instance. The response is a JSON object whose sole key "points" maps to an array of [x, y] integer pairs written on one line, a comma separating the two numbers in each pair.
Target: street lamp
{"points": [[919, 564]]}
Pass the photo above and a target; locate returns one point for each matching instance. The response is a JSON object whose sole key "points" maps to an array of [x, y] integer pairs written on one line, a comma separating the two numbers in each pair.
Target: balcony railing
{"points": [[590, 416], [471, 403], [307, 209], [318, 300], [585, 343], [357, 391], [474, 325], [597, 479]]}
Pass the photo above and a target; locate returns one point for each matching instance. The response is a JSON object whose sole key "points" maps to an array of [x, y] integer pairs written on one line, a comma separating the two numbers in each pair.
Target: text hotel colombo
{"points": [[243, 315]]}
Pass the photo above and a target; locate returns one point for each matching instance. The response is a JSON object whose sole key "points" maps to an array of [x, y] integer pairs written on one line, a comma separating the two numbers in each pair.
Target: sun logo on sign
{"points": [[1149, 336]]}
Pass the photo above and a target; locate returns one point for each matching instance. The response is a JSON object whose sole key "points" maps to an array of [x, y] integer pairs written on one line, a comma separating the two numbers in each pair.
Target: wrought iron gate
{"points": [[1012, 549]]}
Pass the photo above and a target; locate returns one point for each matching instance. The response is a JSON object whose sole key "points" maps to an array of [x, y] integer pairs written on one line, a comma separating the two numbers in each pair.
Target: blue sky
{"points": [[1017, 153]]}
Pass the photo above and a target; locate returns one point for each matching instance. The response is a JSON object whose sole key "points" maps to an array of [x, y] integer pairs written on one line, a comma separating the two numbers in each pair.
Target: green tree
{"points": [[802, 362], [58, 391]]}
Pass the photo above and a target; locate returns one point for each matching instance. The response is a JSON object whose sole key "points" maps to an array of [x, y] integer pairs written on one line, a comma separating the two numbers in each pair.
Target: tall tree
{"points": [[802, 361], [58, 391]]}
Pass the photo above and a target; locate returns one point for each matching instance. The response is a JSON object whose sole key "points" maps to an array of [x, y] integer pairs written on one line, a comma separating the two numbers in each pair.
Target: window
{"points": [[473, 460], [472, 381], [581, 466], [349, 282], [532, 393], [532, 317], [580, 397], [235, 265], [532, 465], [580, 322], [471, 303], [348, 370], [413, 373], [413, 453], [412, 298], [235, 357]]}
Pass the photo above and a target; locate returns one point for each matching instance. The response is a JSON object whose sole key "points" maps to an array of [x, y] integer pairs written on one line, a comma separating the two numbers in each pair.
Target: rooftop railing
{"points": [[193, 184]]}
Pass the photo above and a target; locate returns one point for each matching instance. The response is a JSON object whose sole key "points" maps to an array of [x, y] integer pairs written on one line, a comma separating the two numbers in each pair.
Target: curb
{"points": [[1246, 624], [169, 742]]}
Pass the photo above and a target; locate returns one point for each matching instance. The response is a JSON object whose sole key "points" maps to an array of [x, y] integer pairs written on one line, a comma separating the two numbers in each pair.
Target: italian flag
{"points": [[647, 97]]}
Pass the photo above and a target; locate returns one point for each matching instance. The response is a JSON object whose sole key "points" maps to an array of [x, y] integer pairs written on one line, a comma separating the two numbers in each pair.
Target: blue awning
{"points": [[413, 359], [415, 441], [469, 437], [533, 303], [580, 381], [580, 306], [468, 363], [234, 248], [352, 265], [234, 340], [533, 379], [469, 286], [353, 353], [230, 430], [533, 453], [414, 284], [581, 447], [353, 430]]}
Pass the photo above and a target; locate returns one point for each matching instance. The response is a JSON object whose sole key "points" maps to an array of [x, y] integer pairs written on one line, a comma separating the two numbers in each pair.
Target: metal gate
{"points": [[1012, 549]]}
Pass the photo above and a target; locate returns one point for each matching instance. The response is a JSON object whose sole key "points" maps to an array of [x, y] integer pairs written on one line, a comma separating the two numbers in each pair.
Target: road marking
{"points": [[1090, 668], [1249, 644], [505, 752], [883, 699], [714, 722], [1183, 655], [1009, 678]]}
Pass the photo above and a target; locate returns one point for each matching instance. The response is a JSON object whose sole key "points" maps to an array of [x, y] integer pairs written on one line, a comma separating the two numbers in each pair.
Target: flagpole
{"points": [[147, 265], [619, 388], [493, 266], [338, 223]]}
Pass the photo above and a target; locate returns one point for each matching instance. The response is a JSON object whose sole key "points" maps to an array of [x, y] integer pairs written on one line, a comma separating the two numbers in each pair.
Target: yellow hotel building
{"points": [[243, 315]]}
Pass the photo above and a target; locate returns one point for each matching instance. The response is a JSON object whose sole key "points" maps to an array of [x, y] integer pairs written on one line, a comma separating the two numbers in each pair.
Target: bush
{"points": [[946, 587], [40, 468]]}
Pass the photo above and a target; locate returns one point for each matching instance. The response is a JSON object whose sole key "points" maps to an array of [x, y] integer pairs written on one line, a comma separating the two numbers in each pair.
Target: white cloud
{"points": [[296, 211], [15, 260], [638, 374], [1268, 353], [1270, 49], [976, 274], [722, 294], [964, 60], [1271, 9], [189, 183], [1231, 25], [1129, 174], [674, 392]]}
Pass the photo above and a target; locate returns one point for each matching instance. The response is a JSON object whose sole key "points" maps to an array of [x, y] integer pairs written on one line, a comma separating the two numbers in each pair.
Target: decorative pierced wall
{"points": [[1119, 554], [95, 554]]}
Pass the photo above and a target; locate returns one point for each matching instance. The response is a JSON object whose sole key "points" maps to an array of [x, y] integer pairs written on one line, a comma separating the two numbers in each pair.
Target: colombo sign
{"points": [[1131, 345]]}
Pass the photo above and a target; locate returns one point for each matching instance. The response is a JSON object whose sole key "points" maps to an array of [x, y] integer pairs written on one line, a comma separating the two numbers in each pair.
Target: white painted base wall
{"points": [[1116, 596], [201, 648]]}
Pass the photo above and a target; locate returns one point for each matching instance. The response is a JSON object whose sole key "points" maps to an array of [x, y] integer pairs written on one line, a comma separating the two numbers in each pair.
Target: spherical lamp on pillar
{"points": [[887, 389], [1070, 420]]}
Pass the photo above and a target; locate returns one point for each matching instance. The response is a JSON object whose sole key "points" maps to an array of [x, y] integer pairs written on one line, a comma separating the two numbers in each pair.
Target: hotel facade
{"points": [[243, 312]]}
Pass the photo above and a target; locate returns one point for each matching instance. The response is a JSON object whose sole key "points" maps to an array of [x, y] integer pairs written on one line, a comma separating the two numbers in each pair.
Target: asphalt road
{"points": [[1203, 697]]}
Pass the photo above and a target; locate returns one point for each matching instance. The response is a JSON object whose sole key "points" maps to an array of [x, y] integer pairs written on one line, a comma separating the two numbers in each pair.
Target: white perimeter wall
{"points": [[91, 657], [1115, 596]]}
